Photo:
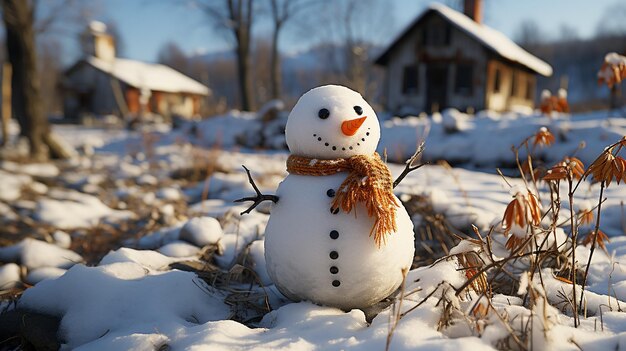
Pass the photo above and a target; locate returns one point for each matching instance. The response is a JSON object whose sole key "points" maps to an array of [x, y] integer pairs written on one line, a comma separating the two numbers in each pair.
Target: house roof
{"points": [[151, 76], [487, 36]]}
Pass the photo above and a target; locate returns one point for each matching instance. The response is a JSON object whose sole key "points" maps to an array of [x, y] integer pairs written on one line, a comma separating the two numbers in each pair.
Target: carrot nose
{"points": [[351, 126]]}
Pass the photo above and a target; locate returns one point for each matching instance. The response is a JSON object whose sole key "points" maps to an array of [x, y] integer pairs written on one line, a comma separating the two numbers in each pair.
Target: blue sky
{"points": [[147, 25]]}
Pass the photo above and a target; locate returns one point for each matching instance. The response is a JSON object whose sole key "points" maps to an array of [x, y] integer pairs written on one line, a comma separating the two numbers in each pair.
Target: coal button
{"points": [[334, 255], [334, 234], [334, 270], [330, 193], [336, 283]]}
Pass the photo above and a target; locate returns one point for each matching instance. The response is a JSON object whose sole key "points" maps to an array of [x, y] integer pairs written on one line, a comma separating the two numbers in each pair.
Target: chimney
{"points": [[97, 42], [473, 9]]}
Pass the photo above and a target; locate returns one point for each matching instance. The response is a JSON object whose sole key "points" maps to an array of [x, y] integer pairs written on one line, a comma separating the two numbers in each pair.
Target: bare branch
{"points": [[410, 164], [259, 196], [54, 15]]}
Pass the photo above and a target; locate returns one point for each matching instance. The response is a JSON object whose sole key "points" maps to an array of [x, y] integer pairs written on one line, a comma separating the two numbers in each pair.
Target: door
{"points": [[436, 87]]}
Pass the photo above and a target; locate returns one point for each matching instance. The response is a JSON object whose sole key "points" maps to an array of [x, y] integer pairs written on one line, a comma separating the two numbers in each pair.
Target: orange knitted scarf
{"points": [[369, 181]]}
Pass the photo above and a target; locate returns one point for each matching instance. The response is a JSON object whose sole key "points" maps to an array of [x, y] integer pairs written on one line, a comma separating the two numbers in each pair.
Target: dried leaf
{"points": [[543, 137]]}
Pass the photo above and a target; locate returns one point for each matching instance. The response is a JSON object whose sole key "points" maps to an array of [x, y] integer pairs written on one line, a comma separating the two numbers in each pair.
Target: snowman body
{"points": [[329, 257], [313, 254]]}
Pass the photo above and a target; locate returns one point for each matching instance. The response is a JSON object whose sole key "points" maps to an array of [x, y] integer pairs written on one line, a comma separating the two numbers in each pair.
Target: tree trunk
{"points": [[26, 100], [242, 17], [245, 80], [6, 101], [275, 74]]}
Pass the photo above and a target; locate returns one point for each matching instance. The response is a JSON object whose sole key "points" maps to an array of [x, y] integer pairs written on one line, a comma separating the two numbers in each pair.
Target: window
{"points": [[514, 83], [410, 80], [530, 89], [496, 80], [464, 78]]}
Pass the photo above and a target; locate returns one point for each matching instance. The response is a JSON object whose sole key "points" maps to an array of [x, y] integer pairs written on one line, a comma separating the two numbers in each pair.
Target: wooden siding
{"points": [[513, 87], [461, 49], [132, 100]]}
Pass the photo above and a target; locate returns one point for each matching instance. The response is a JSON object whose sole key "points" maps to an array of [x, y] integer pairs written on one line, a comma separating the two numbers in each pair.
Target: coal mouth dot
{"points": [[334, 147]]}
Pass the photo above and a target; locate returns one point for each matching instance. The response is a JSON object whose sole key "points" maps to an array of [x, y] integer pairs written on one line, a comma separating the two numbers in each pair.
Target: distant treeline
{"points": [[576, 63]]}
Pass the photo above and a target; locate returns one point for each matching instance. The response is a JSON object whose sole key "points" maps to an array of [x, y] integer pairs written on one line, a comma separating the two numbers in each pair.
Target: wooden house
{"points": [[445, 58], [102, 84]]}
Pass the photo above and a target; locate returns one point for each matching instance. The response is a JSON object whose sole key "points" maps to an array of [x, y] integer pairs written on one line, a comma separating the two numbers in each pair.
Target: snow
{"points": [[133, 299], [98, 27], [36, 254], [256, 250], [72, 209], [151, 76], [120, 299], [38, 188], [485, 141], [179, 249], [62, 239], [275, 105], [37, 275], [202, 231], [149, 259], [322, 328], [11, 185], [170, 193], [615, 59], [147, 179], [9, 276], [42, 170]]}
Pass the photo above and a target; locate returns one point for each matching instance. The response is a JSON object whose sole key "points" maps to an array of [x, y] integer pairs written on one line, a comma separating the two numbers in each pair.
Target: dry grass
{"points": [[529, 229]]}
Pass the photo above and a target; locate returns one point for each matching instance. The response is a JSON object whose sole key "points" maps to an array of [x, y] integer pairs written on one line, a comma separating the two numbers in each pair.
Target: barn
{"points": [[102, 84], [446, 58]]}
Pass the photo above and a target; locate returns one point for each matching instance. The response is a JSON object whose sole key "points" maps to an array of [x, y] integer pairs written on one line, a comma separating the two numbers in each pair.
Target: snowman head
{"points": [[331, 122]]}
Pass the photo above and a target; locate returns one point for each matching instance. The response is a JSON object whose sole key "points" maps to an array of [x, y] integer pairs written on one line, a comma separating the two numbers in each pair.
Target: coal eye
{"points": [[323, 113], [358, 110]]}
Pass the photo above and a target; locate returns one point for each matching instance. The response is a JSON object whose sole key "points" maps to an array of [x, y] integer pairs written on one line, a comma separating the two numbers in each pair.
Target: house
{"points": [[445, 58], [102, 84]]}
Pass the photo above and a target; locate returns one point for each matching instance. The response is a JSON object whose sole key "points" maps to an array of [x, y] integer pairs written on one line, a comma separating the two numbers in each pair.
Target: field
{"points": [[136, 242]]}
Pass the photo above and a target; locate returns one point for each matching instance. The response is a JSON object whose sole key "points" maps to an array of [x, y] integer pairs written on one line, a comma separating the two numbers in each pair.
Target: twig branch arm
{"points": [[409, 164], [259, 196]]}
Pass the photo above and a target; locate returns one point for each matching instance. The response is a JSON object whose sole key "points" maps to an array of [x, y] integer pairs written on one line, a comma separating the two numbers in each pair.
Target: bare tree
{"points": [[236, 17], [282, 12], [18, 16], [172, 55], [568, 33], [529, 34], [50, 68], [356, 26], [18, 19], [612, 21]]}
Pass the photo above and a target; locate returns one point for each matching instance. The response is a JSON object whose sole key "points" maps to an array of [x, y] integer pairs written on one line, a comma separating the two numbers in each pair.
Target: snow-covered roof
{"points": [[487, 36], [151, 76]]}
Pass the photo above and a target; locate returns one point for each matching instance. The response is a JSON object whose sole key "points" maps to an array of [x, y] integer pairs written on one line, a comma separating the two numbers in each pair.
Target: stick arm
{"points": [[259, 196], [409, 165]]}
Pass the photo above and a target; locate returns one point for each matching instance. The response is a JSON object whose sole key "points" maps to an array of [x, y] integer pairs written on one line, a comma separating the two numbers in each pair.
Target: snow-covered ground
{"points": [[170, 193]]}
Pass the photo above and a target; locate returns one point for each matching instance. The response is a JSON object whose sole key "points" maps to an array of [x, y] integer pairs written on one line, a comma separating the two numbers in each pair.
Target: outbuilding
{"points": [[102, 84], [446, 58]]}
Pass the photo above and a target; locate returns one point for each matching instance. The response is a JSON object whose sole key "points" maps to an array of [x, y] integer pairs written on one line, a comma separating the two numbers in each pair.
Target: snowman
{"points": [[337, 235]]}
